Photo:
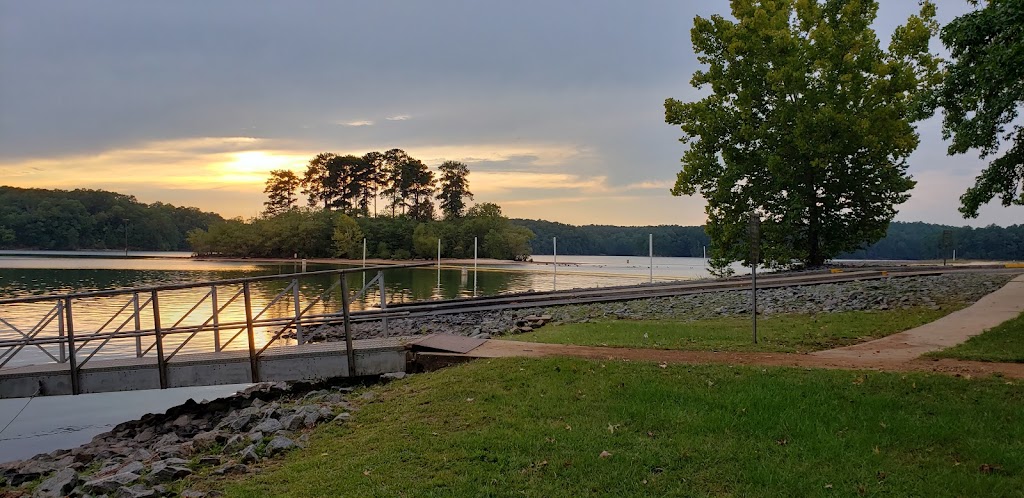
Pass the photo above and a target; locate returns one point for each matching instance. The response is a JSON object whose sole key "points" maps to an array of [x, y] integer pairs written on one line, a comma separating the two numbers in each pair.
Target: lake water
{"points": [[55, 422]]}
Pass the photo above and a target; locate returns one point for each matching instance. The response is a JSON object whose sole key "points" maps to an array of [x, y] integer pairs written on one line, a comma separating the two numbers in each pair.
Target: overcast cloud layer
{"points": [[555, 105]]}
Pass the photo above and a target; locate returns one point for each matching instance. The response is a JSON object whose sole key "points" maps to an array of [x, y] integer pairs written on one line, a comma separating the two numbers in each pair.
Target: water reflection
{"points": [[271, 299]]}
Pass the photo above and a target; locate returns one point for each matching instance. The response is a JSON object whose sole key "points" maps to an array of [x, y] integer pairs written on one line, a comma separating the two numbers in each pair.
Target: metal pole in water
{"points": [[298, 311], [60, 331], [364, 253], [439, 266], [383, 301], [554, 265], [254, 369], [650, 250], [349, 352], [138, 325], [161, 364], [474, 266], [69, 324], [216, 318]]}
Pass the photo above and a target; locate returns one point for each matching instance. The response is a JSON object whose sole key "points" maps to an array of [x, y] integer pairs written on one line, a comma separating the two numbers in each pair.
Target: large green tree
{"points": [[454, 188], [281, 192], [808, 124], [982, 96], [317, 183]]}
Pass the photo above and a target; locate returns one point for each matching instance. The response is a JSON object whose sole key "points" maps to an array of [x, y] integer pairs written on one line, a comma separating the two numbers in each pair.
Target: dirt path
{"points": [[898, 352]]}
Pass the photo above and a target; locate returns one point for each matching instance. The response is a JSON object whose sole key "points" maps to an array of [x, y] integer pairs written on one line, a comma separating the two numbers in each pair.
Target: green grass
{"points": [[537, 427], [1003, 343], [776, 333]]}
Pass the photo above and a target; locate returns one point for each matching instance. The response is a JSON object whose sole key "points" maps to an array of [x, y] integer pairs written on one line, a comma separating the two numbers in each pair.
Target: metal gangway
{"points": [[224, 337]]}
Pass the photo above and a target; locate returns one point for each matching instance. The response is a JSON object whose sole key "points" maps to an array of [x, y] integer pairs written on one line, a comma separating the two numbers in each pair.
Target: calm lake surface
{"points": [[50, 423]]}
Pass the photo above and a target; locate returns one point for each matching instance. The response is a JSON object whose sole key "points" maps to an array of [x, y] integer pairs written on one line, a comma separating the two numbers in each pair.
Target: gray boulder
{"points": [[108, 485], [164, 472], [277, 445], [59, 484], [248, 455], [268, 426]]}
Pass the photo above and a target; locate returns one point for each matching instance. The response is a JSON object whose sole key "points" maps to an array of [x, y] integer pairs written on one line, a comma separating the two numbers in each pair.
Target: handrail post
{"points": [[348, 327], [298, 311], [60, 330], [253, 363], [216, 319], [383, 302], [138, 326], [161, 363], [69, 325]]}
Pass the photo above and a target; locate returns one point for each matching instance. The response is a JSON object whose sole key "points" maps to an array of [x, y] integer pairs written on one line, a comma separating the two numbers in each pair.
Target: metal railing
{"points": [[55, 335]]}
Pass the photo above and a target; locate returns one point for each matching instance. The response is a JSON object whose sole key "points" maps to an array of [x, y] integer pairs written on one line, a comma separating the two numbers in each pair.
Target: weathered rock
{"points": [[145, 436], [248, 455], [136, 491], [59, 484], [342, 418], [108, 485], [293, 422], [164, 472], [172, 451], [393, 376], [268, 426], [255, 436], [209, 461], [182, 420], [235, 443], [193, 493], [232, 468], [277, 445], [206, 440]]}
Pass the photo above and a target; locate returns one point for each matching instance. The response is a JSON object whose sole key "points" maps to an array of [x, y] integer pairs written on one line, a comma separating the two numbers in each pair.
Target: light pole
{"points": [[126, 237]]}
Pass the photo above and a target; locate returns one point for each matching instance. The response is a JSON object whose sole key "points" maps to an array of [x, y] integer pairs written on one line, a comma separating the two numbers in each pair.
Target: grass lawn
{"points": [[1002, 343], [776, 333], [538, 427]]}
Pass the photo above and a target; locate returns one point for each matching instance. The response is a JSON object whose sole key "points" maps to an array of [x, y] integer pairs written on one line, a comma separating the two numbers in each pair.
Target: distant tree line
{"points": [[924, 241], [910, 241], [326, 233], [32, 218], [606, 240]]}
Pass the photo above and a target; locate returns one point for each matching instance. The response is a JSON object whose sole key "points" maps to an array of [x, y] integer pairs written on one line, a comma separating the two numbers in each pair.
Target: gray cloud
{"points": [[87, 77]]}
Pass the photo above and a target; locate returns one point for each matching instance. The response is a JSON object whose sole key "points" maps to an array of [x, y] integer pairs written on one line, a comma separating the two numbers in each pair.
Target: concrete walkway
{"points": [[1002, 305]]}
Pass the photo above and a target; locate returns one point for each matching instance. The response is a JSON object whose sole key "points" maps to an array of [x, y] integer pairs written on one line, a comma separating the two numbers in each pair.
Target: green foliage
{"points": [[93, 219], [982, 95], [424, 241], [791, 333], [454, 188], [348, 238], [537, 427], [6, 236], [280, 190], [1004, 343], [809, 123], [324, 233]]}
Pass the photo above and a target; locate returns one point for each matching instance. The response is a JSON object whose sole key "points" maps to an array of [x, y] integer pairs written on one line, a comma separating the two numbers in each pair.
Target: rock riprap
{"points": [[884, 294], [153, 455]]}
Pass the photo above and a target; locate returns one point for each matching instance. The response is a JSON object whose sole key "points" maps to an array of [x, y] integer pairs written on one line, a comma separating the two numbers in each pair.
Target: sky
{"points": [[556, 106]]}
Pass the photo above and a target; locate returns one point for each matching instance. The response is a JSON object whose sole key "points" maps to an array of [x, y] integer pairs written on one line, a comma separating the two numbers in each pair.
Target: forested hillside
{"points": [[669, 240], [93, 219], [902, 241]]}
